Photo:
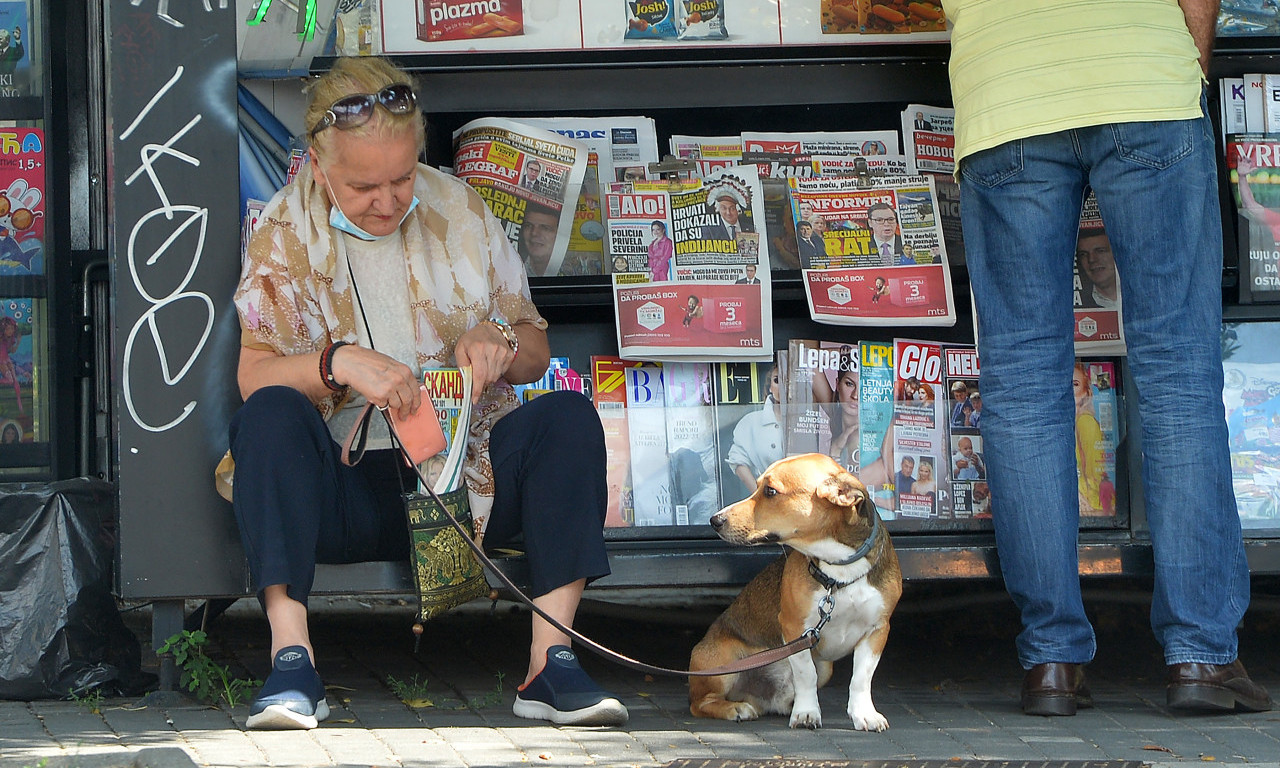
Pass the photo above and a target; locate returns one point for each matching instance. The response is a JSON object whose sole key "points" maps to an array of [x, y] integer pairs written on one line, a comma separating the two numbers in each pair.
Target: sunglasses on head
{"points": [[357, 109]]}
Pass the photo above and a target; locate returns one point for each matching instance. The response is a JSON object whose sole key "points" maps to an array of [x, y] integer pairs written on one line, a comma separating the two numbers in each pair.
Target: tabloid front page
{"points": [[872, 250], [621, 149], [530, 179], [696, 279], [1099, 326]]}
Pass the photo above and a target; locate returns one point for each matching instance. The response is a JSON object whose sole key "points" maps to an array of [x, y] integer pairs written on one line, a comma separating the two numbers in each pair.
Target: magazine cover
{"points": [[805, 420], [609, 394], [531, 179], [650, 464], [872, 250], [691, 442], [1097, 435], [748, 425], [15, 59], [21, 201], [716, 301], [526, 392], [970, 494], [1253, 162], [875, 414], [450, 392], [1099, 321], [922, 478], [1252, 399], [17, 366]]}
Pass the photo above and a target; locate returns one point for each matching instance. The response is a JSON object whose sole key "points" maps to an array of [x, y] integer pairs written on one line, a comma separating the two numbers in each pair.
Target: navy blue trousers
{"points": [[297, 504]]}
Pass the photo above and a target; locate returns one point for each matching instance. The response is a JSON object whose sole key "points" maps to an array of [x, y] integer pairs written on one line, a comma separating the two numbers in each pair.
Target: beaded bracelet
{"points": [[326, 366]]}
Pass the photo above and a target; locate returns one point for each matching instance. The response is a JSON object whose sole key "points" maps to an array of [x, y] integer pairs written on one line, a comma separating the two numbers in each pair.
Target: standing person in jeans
{"points": [[1052, 98]]}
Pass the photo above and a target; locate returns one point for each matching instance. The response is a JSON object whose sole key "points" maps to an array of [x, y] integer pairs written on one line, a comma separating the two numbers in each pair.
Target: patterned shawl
{"points": [[295, 290]]}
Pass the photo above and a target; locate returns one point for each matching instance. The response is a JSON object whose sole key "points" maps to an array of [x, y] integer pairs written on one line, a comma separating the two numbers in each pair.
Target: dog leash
{"points": [[808, 639]]}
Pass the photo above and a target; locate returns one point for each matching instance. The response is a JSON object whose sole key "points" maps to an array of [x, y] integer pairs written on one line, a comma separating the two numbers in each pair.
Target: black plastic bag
{"points": [[60, 631]]}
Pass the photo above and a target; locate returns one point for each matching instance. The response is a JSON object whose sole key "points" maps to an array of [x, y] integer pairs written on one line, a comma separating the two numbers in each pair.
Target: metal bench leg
{"points": [[166, 621]]}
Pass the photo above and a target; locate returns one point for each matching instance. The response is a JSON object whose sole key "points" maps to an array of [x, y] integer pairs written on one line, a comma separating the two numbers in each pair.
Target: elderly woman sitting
{"points": [[367, 268]]}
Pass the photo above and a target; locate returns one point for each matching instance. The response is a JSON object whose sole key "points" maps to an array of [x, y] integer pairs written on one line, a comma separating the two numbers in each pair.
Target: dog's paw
{"points": [[868, 719], [802, 718], [743, 711]]}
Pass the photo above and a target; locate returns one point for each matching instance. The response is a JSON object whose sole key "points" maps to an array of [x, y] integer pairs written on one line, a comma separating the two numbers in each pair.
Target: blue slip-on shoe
{"points": [[292, 697], [564, 694]]}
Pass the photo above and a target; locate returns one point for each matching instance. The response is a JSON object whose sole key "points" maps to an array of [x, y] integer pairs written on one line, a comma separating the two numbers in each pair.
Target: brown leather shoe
{"points": [[1055, 688], [1215, 688]]}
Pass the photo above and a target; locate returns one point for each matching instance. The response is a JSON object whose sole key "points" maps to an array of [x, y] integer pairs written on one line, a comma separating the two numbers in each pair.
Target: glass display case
{"points": [[25, 337]]}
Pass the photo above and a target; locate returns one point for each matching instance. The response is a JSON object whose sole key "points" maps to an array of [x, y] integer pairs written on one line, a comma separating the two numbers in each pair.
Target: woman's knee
{"points": [[274, 415], [570, 416]]}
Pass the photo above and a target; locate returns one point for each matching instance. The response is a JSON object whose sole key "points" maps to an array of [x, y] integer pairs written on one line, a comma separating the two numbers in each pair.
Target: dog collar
{"points": [[861, 552]]}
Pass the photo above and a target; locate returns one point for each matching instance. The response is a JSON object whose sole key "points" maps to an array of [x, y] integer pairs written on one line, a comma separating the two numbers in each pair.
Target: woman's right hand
{"points": [[384, 381]]}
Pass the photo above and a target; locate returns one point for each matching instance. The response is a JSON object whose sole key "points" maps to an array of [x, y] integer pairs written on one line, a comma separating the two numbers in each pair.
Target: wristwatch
{"points": [[508, 333]]}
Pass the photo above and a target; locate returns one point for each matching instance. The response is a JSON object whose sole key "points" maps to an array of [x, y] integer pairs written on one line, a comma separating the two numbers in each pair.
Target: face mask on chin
{"points": [[339, 221]]}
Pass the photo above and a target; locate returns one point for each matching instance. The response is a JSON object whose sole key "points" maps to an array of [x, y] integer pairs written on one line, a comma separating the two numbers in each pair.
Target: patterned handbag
{"points": [[446, 571]]}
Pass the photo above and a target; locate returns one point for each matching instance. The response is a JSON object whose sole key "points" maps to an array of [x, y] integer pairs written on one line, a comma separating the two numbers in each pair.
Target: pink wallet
{"points": [[420, 434]]}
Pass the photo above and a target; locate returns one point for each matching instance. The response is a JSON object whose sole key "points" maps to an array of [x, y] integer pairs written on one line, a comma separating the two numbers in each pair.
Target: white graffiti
{"points": [[162, 10], [148, 155]]}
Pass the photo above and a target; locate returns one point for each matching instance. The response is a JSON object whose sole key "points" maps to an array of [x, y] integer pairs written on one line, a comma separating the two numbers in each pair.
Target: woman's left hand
{"points": [[485, 349]]}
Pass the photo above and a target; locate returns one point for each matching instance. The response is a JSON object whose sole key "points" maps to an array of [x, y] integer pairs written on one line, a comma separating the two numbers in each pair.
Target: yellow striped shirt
{"points": [[1023, 68]]}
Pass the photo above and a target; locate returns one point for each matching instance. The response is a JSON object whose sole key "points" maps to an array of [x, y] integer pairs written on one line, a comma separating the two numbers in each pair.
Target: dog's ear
{"points": [[843, 490]]}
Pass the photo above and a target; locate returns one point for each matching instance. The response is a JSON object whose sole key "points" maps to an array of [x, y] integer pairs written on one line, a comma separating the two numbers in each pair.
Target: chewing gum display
{"points": [[469, 19], [651, 19], [701, 20]]}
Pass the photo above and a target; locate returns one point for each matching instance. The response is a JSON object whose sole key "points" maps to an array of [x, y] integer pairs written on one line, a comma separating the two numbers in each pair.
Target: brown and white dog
{"points": [[825, 518]]}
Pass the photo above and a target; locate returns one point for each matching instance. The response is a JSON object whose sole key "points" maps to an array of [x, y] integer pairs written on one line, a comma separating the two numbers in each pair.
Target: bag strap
{"points": [[763, 658], [353, 447]]}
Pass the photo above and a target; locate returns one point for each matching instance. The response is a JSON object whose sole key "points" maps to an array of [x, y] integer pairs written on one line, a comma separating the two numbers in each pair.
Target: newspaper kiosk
{"points": [[172, 119]]}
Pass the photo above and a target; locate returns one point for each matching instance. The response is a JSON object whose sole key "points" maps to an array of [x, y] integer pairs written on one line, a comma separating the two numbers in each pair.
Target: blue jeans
{"points": [[1156, 184]]}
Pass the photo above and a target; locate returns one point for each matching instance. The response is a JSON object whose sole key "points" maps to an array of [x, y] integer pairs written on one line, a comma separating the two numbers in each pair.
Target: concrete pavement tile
{"points": [[385, 714], [814, 745], [71, 724], [21, 728], [668, 745], [1246, 740], [535, 739], [476, 745], [609, 746], [354, 745], [141, 727], [214, 737], [857, 745], [733, 743], [935, 745], [415, 746], [289, 747]]}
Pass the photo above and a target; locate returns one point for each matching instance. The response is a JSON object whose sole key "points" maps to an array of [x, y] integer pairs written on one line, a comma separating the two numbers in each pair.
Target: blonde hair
{"points": [[354, 75]]}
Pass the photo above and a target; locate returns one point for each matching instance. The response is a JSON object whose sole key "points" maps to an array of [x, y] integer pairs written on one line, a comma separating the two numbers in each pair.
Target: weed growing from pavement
{"points": [[201, 675], [491, 698], [89, 699], [412, 692]]}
